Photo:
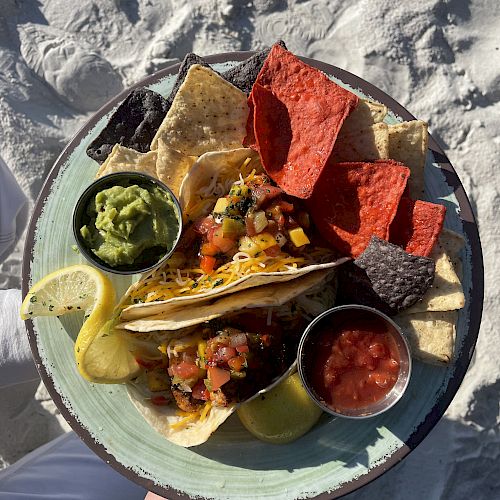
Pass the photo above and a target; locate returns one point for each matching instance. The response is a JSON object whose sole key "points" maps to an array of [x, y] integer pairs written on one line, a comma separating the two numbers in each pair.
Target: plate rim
{"points": [[466, 216]]}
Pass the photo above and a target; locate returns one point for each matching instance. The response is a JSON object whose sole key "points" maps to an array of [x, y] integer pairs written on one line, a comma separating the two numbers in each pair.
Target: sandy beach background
{"points": [[61, 60]]}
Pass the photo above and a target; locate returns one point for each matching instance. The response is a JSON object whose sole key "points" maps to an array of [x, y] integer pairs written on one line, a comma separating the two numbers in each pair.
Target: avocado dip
{"points": [[128, 223]]}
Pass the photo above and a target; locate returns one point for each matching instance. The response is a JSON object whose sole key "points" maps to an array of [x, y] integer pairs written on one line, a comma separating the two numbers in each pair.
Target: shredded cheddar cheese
{"points": [[191, 417], [164, 282]]}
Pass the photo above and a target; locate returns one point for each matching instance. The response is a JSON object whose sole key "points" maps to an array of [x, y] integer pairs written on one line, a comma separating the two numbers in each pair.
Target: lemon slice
{"points": [[281, 415], [102, 353]]}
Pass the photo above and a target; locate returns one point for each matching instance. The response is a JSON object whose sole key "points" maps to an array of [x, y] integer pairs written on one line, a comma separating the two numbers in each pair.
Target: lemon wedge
{"points": [[102, 353], [281, 415]]}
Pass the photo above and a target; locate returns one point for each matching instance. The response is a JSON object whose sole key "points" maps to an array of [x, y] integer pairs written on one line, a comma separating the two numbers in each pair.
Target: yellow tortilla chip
{"points": [[371, 143], [207, 114], [408, 144], [446, 293], [172, 166], [452, 243], [122, 159], [366, 114], [431, 335]]}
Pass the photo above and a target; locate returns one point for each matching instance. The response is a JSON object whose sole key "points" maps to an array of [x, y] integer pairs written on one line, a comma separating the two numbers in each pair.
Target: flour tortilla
{"points": [[172, 166], [408, 144], [138, 311], [371, 143], [207, 114], [431, 335], [210, 171], [272, 295], [162, 417], [122, 159]]}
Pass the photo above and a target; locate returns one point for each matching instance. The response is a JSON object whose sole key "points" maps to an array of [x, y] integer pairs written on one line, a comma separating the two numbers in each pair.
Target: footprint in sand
{"points": [[81, 77]]}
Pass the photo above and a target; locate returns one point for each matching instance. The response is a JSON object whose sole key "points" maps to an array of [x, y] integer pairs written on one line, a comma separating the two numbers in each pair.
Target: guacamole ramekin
{"points": [[149, 258]]}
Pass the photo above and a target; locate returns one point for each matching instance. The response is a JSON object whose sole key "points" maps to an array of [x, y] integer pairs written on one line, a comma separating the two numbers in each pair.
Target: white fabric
{"points": [[65, 469], [13, 211], [16, 363]]}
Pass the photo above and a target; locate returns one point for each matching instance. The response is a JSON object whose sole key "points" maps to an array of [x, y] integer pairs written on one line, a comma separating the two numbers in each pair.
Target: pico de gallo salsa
{"points": [[255, 218], [222, 363], [356, 361]]}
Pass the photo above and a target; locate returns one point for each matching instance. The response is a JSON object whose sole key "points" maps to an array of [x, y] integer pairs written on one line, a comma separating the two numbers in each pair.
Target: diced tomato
{"points": [[218, 377], [209, 249], [225, 244], [202, 226], [249, 224], [159, 400], [224, 354], [280, 206], [285, 206], [264, 193], [377, 350], [236, 363], [273, 251], [207, 263], [266, 339], [242, 348], [199, 391], [185, 370]]}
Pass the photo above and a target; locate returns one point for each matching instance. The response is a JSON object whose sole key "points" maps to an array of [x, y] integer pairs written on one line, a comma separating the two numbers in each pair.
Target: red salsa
{"points": [[355, 362]]}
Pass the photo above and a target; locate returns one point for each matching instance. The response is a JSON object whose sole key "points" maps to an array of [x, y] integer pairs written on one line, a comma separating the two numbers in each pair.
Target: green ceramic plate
{"points": [[336, 457]]}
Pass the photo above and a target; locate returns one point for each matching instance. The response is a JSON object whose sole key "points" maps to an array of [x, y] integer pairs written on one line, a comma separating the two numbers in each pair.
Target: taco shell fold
{"points": [[165, 420], [271, 295]]}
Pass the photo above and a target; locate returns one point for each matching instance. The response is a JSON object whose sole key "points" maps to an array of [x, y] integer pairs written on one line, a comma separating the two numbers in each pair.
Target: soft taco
{"points": [[194, 378], [241, 231]]}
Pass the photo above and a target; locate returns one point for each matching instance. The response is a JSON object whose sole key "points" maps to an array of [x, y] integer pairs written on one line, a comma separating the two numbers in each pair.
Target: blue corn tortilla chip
{"points": [[386, 277], [133, 124], [188, 61], [244, 74]]}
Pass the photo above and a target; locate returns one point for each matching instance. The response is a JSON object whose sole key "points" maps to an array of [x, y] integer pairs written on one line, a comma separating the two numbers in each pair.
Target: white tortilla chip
{"points": [[122, 159], [161, 418], [408, 144], [364, 115], [446, 293], [371, 143], [211, 176], [207, 114], [172, 166], [271, 295], [452, 243], [431, 335]]}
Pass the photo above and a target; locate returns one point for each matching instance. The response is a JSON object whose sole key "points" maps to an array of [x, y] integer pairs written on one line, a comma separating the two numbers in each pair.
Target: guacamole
{"points": [[131, 224]]}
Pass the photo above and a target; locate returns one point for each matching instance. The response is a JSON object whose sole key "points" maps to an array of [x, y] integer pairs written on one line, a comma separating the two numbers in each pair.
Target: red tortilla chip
{"points": [[311, 111], [354, 201], [417, 226]]}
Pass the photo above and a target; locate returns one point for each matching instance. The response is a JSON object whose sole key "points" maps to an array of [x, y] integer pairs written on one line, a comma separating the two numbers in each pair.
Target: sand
{"points": [[439, 59]]}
